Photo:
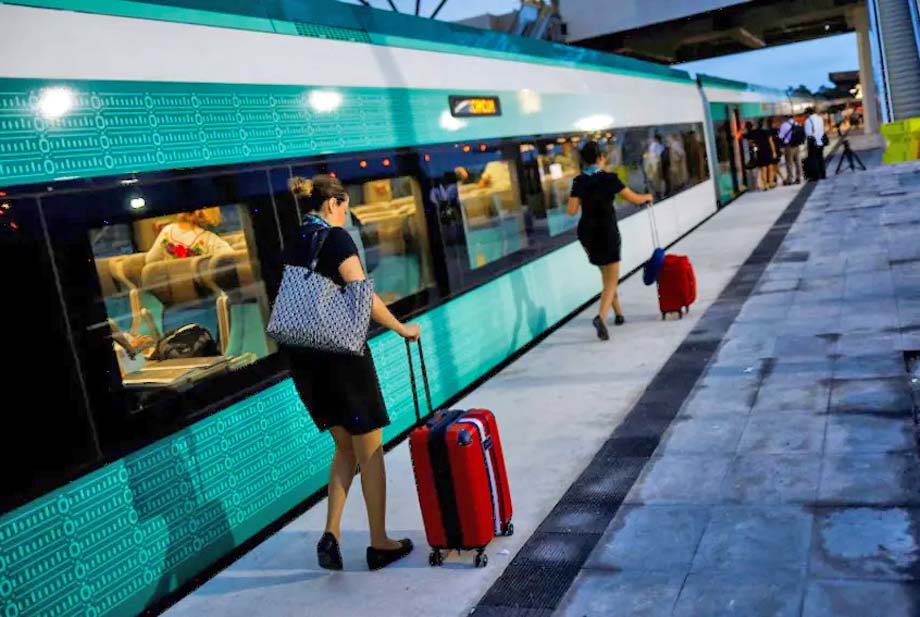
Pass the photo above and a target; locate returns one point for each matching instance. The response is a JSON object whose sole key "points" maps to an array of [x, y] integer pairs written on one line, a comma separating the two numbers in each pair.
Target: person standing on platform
{"points": [[593, 192], [816, 139], [792, 136], [341, 392]]}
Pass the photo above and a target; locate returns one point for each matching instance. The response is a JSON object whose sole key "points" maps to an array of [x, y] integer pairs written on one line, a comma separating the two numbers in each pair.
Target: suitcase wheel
{"points": [[509, 529], [436, 558], [482, 560]]}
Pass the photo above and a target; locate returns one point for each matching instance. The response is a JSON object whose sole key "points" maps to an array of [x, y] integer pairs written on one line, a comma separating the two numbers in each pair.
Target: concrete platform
{"points": [[786, 482], [809, 502]]}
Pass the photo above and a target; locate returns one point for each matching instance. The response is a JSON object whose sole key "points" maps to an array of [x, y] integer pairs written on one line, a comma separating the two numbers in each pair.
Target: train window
{"points": [[478, 200], [389, 216], [183, 295], [386, 221], [51, 431], [559, 162]]}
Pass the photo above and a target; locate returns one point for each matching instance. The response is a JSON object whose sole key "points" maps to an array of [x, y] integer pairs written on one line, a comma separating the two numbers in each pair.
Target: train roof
{"points": [[330, 19], [761, 93]]}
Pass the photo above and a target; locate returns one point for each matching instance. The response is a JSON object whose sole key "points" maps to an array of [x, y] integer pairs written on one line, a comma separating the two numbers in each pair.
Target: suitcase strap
{"points": [[443, 478], [490, 470]]}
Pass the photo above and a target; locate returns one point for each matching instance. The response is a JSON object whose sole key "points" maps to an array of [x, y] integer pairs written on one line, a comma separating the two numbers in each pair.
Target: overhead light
{"points": [[449, 123], [54, 103], [138, 203], [130, 181], [595, 123], [325, 101], [530, 101]]}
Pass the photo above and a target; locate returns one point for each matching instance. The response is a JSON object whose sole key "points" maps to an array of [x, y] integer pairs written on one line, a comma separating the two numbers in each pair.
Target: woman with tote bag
{"points": [[321, 318]]}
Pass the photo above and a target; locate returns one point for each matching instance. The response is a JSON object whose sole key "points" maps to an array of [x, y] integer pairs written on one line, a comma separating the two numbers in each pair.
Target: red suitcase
{"points": [[676, 285], [460, 475]]}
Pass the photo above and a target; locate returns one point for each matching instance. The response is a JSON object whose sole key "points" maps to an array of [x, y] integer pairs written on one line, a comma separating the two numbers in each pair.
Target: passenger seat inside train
{"points": [[222, 293]]}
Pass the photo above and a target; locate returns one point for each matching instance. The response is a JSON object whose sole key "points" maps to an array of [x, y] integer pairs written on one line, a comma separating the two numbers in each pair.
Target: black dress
{"points": [[337, 389], [597, 230]]}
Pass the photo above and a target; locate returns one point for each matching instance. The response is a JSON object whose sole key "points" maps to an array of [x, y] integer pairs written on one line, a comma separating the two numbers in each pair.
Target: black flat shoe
{"points": [[601, 329], [327, 550], [619, 320], [380, 557]]}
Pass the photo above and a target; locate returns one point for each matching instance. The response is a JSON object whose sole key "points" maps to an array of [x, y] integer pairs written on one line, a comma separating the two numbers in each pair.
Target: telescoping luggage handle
{"points": [[654, 225], [651, 213], [421, 357]]}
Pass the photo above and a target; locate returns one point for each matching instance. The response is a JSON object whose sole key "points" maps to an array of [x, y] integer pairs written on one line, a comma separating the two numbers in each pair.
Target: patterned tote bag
{"points": [[312, 311]]}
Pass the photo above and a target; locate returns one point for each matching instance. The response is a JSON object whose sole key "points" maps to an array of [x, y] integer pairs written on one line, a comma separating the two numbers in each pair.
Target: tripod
{"points": [[850, 157]]}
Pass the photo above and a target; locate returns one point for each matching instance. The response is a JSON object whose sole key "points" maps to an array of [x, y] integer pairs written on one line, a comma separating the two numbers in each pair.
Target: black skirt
{"points": [[339, 389], [600, 241]]}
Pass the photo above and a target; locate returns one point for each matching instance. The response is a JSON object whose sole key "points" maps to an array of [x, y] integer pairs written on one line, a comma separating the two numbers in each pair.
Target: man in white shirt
{"points": [[816, 139]]}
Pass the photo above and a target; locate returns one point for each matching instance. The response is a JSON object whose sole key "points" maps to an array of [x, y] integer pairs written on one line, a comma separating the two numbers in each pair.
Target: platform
{"points": [[753, 458]]}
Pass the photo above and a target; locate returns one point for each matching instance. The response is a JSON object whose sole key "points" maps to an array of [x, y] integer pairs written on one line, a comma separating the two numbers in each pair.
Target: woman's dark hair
{"points": [[315, 192], [590, 152]]}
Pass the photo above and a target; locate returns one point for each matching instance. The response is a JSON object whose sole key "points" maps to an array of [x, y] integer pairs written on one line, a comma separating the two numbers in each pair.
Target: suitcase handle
{"points": [[421, 357], [653, 224]]}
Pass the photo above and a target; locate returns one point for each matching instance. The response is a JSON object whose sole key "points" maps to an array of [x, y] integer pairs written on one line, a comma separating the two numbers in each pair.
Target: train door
{"points": [[726, 172], [737, 157]]}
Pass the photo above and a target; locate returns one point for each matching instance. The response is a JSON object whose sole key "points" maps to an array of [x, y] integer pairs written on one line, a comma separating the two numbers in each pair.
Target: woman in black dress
{"points": [[593, 192], [341, 391]]}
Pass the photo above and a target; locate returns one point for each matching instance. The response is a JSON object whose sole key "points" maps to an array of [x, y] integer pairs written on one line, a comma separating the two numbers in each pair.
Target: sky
{"points": [[787, 65], [453, 10]]}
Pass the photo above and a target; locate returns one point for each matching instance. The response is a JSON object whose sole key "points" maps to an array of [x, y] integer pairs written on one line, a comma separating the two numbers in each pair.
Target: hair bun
{"points": [[301, 187]]}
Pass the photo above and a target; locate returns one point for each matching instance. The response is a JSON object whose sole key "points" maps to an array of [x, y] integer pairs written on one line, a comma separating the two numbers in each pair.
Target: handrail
{"points": [[877, 43], [915, 22]]}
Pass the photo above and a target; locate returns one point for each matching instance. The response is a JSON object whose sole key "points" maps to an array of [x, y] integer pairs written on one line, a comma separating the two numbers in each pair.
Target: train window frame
{"points": [[400, 163], [126, 418]]}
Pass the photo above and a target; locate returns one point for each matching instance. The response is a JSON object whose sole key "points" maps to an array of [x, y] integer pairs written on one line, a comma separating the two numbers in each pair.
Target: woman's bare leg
{"points": [[613, 274], [341, 473], [608, 293], [369, 452]]}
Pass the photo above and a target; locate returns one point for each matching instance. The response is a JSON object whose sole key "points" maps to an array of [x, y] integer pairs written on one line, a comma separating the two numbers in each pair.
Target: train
{"points": [[123, 124]]}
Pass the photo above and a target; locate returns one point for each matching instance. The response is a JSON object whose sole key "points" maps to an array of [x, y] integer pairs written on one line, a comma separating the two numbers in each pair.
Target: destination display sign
{"points": [[475, 106]]}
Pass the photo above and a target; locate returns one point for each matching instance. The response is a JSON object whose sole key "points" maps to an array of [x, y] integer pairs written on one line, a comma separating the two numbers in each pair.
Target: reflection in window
{"points": [[391, 235], [183, 295], [559, 163], [481, 194], [663, 160]]}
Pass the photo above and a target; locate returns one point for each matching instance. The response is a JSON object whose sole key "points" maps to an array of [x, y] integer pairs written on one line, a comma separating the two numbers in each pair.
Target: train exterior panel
{"points": [[117, 117]]}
